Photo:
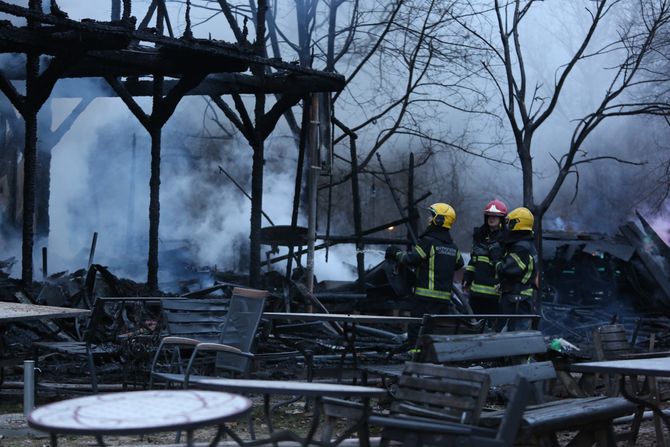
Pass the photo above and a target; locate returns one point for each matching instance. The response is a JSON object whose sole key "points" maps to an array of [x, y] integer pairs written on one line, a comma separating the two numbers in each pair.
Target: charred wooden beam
{"points": [[168, 45], [216, 84]]}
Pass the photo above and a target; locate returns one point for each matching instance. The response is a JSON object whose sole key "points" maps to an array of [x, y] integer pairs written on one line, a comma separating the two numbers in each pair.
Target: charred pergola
{"points": [[128, 60]]}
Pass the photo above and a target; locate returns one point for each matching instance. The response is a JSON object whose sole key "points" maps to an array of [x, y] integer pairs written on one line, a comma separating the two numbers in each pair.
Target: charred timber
{"points": [[366, 240], [176, 46], [142, 61], [214, 85], [55, 41]]}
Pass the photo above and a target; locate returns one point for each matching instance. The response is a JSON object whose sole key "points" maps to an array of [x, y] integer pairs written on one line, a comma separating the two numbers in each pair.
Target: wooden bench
{"points": [[455, 392], [591, 417], [436, 325]]}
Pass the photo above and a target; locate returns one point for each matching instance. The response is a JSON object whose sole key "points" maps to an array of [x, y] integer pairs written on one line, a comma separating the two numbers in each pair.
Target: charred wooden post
{"points": [[312, 191], [356, 199], [155, 131], [298, 178], [258, 146], [45, 271], [91, 253]]}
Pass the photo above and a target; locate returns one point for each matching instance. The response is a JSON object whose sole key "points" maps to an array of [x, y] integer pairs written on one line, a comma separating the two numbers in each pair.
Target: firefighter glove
{"points": [[495, 252], [392, 252]]}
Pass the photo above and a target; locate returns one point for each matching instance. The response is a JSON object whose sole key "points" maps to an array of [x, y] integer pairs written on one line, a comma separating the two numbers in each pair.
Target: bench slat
{"points": [[568, 414], [534, 372], [445, 348]]}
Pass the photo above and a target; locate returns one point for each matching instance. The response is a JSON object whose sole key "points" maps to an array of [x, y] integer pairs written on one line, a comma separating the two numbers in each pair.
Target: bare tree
{"points": [[528, 105]]}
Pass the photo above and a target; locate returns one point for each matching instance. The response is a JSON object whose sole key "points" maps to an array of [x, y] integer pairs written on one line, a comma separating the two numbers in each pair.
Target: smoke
{"points": [[100, 178]]}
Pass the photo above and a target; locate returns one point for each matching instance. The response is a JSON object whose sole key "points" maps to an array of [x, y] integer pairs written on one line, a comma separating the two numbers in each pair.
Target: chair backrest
{"points": [[463, 348], [441, 392], [240, 326], [199, 319], [511, 422], [610, 342]]}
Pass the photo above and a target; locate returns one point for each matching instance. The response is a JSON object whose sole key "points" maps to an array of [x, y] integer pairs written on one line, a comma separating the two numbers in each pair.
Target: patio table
{"points": [[19, 312], [649, 367], [139, 412], [269, 388], [11, 312]]}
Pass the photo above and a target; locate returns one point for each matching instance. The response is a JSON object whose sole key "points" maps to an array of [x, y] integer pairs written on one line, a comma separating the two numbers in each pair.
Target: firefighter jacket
{"points": [[517, 269], [480, 273], [435, 259]]}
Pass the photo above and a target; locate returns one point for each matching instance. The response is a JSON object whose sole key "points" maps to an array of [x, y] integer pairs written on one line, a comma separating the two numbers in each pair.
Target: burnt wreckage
{"points": [[589, 279], [126, 59]]}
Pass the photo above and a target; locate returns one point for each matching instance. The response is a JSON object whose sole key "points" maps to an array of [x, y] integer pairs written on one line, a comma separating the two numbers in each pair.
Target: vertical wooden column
{"points": [[258, 146], [358, 224], [313, 172], [30, 109]]}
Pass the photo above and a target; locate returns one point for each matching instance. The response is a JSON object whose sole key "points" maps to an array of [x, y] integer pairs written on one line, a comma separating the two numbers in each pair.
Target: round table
{"points": [[138, 412]]}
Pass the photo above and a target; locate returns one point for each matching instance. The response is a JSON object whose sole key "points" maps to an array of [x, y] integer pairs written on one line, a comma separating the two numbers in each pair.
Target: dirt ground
{"points": [[294, 416]]}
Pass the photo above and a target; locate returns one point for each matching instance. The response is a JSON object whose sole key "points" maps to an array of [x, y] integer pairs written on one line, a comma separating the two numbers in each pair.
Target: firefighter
{"points": [[517, 269], [481, 280], [434, 258]]}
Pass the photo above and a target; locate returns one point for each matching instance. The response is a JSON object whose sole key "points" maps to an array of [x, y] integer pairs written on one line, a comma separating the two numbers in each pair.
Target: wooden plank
{"points": [[434, 399], [442, 386], [616, 346], [567, 414], [612, 328], [533, 372], [443, 349], [439, 370], [576, 413]]}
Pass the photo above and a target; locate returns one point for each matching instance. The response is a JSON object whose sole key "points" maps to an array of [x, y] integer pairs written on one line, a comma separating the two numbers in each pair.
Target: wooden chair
{"points": [[228, 329], [440, 406], [610, 342]]}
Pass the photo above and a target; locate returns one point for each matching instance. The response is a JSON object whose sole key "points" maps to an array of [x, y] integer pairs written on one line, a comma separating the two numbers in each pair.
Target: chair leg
{"points": [[384, 442], [91, 367], [635, 427], [411, 440]]}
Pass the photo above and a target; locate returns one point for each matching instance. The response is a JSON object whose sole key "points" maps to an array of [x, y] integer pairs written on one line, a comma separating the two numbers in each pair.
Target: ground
{"points": [[294, 416]]}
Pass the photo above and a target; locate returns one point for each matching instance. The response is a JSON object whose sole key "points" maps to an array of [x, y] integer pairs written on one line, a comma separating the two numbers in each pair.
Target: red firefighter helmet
{"points": [[495, 208]]}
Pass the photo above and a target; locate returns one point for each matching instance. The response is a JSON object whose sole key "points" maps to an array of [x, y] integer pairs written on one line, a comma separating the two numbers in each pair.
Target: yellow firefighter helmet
{"points": [[442, 215], [520, 219]]}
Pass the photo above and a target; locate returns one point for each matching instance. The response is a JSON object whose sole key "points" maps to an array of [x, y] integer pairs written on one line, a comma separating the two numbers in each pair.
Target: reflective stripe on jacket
{"points": [[435, 258], [480, 273], [517, 268]]}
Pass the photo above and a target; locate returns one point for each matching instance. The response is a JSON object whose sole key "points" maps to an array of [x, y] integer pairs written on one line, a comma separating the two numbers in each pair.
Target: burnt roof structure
{"points": [[129, 60]]}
